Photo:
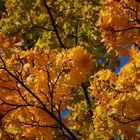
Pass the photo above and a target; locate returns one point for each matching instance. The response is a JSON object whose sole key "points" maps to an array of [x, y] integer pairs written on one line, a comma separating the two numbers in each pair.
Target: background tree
{"points": [[52, 59]]}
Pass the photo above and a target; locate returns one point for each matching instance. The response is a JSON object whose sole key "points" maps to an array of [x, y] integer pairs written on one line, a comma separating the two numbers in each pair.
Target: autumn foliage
{"points": [[58, 76]]}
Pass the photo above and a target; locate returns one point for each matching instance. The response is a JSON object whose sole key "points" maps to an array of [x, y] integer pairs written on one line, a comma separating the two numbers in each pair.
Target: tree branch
{"points": [[40, 101], [87, 98], [54, 24]]}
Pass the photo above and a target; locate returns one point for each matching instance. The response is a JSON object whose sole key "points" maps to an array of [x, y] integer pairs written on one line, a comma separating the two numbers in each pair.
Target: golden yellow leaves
{"points": [[101, 80], [47, 75], [37, 124], [28, 123], [78, 64], [117, 100], [119, 25], [6, 43]]}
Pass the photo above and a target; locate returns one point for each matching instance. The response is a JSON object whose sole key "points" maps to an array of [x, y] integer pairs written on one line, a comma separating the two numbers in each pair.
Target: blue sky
{"points": [[123, 61]]}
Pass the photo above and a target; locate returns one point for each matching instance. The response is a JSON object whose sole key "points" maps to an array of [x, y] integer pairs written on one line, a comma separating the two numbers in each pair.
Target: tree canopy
{"points": [[61, 56]]}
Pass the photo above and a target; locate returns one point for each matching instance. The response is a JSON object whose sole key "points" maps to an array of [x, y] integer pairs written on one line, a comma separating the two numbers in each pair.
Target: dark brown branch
{"points": [[38, 26], [36, 124], [22, 96], [54, 24], [2, 115], [87, 98], [126, 29], [17, 105], [124, 122], [76, 32]]}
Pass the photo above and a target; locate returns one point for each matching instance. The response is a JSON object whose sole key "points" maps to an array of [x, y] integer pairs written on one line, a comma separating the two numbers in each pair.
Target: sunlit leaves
{"points": [[42, 74], [48, 52], [78, 62], [119, 23], [117, 101]]}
